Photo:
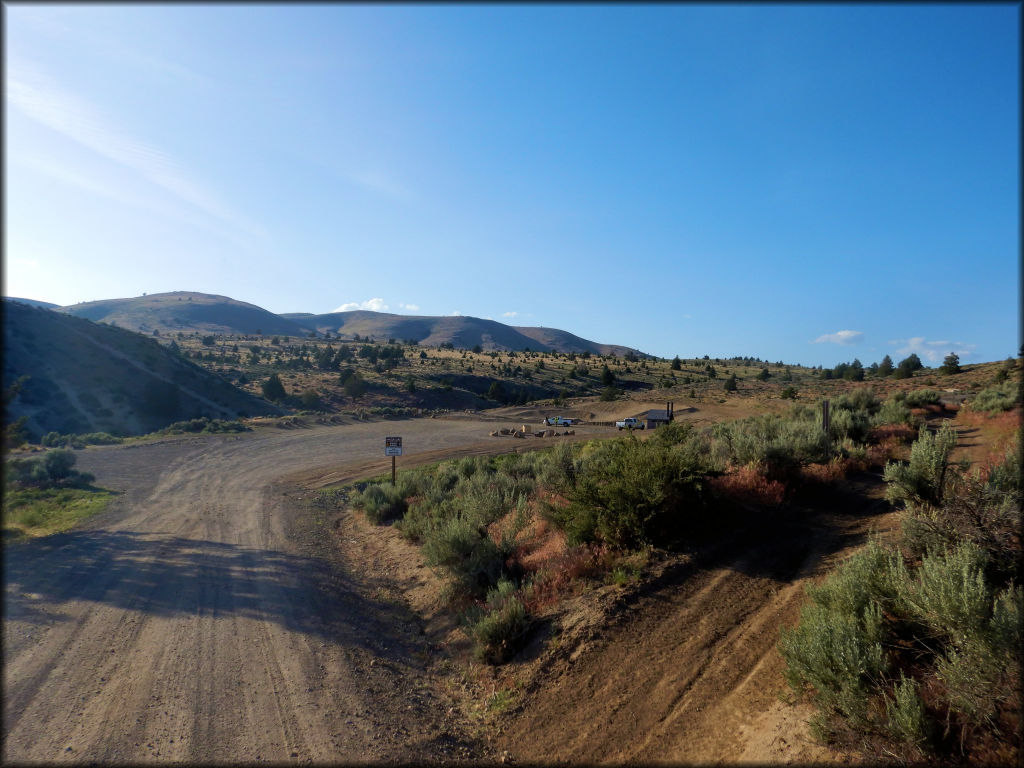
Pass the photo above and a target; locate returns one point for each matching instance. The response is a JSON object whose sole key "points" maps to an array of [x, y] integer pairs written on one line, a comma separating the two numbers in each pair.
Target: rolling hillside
{"points": [[32, 302], [188, 312], [86, 377], [563, 341], [460, 331], [184, 311]]}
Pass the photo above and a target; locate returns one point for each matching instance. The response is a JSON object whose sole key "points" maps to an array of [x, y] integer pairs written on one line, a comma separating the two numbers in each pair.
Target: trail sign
{"points": [[392, 448]]}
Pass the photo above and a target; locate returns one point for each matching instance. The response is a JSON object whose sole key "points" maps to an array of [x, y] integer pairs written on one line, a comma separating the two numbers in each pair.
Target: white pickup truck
{"points": [[559, 421], [630, 423]]}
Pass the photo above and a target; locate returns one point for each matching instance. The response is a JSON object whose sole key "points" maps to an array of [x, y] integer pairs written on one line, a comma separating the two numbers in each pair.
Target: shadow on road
{"points": [[173, 576]]}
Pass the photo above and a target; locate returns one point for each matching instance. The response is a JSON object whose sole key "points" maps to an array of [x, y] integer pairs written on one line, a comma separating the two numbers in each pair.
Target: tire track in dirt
{"points": [[687, 672]]}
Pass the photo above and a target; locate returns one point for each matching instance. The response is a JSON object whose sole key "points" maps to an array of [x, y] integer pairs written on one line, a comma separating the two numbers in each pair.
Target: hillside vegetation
{"points": [[331, 374], [911, 649], [69, 375]]}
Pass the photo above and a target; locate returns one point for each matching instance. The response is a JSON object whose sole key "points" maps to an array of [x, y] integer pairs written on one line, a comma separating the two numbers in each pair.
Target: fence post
{"points": [[825, 424]]}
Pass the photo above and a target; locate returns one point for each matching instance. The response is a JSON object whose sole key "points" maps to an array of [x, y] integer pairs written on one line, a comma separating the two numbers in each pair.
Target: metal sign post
{"points": [[392, 448]]}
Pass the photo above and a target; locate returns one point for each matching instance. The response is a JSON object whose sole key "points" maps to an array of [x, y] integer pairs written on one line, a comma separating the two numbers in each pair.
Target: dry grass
{"points": [[749, 485]]}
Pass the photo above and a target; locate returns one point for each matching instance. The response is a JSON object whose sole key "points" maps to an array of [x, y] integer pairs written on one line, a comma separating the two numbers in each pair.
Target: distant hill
{"points": [[184, 311], [87, 377], [32, 302], [461, 331], [563, 341], [204, 313]]}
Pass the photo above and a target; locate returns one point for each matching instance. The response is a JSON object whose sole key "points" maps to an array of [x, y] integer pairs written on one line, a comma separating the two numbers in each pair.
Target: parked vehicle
{"points": [[630, 423], [559, 421]]}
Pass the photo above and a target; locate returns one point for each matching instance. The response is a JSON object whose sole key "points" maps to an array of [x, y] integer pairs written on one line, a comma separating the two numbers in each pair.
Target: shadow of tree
{"points": [[170, 576]]}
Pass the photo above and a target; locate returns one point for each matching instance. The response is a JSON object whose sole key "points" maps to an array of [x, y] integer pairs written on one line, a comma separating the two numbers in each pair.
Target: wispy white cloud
{"points": [[410, 307], [64, 28], [456, 313], [845, 338], [45, 102], [374, 305], [932, 351], [509, 314]]}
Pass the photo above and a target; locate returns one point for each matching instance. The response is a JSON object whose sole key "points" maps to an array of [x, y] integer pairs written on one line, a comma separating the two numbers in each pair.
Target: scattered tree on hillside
{"points": [[907, 366], [763, 375], [607, 377], [730, 384], [885, 368], [273, 389], [677, 364], [497, 392], [354, 386], [951, 364], [310, 399]]}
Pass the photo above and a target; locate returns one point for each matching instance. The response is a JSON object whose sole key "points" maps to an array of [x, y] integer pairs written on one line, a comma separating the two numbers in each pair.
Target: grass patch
{"points": [[31, 513]]}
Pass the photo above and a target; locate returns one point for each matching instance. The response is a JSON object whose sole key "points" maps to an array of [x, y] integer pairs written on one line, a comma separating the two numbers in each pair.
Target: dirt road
{"points": [[186, 626]]}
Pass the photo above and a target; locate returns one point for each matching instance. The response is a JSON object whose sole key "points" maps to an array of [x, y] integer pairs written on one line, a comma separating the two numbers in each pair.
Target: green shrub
{"points": [[471, 557], [983, 513], [58, 463], [905, 712], [780, 444], [982, 671], [894, 411], [837, 656], [923, 479], [1006, 475], [997, 398], [860, 399], [846, 424], [628, 493], [919, 398], [950, 594], [54, 439], [53, 470], [205, 425], [381, 503], [498, 629]]}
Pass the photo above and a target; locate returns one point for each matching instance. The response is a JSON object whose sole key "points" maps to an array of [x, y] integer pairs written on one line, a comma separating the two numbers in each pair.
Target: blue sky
{"points": [[799, 183]]}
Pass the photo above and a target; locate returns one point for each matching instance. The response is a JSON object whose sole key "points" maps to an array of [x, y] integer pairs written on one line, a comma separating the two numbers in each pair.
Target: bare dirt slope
{"points": [[687, 670], [186, 625]]}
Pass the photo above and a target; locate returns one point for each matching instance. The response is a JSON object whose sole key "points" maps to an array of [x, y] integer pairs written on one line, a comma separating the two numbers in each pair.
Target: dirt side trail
{"points": [[185, 625], [687, 670]]}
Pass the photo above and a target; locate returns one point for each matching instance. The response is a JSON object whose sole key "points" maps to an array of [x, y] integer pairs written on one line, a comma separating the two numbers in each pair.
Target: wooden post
{"points": [[392, 470], [825, 424]]}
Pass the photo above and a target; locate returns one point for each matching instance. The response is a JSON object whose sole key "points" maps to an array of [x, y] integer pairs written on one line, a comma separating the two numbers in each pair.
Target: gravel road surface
{"points": [[185, 624]]}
